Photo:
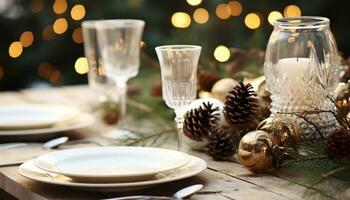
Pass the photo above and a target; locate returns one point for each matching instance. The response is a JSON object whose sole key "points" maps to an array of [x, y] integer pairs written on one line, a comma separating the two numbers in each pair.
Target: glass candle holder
{"points": [[178, 65], [301, 72]]}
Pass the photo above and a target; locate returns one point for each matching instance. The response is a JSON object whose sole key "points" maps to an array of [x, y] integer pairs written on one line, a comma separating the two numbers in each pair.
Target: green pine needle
{"points": [[326, 178]]}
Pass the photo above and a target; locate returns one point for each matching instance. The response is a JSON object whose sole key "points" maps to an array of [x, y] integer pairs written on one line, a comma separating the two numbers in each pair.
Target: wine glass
{"points": [[178, 65], [103, 86], [119, 44]]}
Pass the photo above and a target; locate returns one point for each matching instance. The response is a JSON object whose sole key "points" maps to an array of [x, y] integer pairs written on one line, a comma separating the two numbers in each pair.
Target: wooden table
{"points": [[222, 180]]}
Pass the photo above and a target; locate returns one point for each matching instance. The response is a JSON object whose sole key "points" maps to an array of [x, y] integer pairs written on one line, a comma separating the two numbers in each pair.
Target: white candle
{"points": [[293, 69]]}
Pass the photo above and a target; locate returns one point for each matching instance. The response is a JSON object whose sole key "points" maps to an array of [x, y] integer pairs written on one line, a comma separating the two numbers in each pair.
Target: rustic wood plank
{"points": [[268, 182]]}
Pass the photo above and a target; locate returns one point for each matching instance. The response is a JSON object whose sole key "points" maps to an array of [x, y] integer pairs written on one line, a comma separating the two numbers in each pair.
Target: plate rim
{"points": [[74, 112], [186, 158], [200, 163], [88, 120]]}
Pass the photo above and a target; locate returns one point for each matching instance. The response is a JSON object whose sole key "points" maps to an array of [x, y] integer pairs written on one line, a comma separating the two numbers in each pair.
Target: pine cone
{"points": [[221, 144], [241, 106], [337, 144], [206, 79], [200, 121]]}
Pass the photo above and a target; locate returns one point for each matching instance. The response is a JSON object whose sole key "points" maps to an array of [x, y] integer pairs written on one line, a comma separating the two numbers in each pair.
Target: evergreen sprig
{"points": [[146, 139], [325, 177]]}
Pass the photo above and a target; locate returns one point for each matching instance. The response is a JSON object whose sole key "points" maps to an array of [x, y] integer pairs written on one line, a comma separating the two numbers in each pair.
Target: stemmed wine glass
{"points": [[119, 46], [103, 86], [178, 65]]}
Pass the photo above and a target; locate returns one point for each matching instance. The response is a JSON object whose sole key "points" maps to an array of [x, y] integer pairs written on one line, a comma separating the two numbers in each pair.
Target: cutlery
{"points": [[181, 194]]}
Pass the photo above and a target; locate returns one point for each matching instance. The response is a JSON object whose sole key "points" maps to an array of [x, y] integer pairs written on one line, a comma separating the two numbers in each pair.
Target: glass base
{"points": [[316, 125]]}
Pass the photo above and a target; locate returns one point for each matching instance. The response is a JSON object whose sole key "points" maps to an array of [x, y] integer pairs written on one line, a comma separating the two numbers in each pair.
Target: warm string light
{"points": [[45, 70], [235, 7], [252, 21], [81, 65], [15, 49], [194, 2], [36, 6], [60, 6], [78, 12], [27, 38], [223, 11], [48, 33], [1, 72], [292, 11], [181, 20], [55, 77], [273, 16], [201, 15], [49, 72], [60, 26], [222, 53], [77, 36]]}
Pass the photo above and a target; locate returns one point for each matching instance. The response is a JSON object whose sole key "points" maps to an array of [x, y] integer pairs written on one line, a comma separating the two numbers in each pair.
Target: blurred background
{"points": [[42, 44]]}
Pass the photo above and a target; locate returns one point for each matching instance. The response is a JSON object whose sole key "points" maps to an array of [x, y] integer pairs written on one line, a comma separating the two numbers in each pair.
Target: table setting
{"points": [[233, 138]]}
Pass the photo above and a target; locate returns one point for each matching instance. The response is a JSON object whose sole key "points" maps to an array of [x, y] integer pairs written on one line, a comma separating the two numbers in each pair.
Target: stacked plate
{"points": [[112, 168], [34, 119]]}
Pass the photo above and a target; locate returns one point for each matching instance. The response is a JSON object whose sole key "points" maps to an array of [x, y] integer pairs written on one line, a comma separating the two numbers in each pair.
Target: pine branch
{"points": [[316, 167], [303, 115], [144, 139], [328, 175]]}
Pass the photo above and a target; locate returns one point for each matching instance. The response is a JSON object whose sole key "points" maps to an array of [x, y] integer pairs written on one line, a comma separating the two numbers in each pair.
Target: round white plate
{"points": [[32, 116], [80, 121], [111, 164], [194, 167]]}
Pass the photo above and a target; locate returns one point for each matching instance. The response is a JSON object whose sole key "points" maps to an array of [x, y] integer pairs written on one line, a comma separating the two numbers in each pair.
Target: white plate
{"points": [[31, 116], [81, 121], [111, 164], [194, 167]]}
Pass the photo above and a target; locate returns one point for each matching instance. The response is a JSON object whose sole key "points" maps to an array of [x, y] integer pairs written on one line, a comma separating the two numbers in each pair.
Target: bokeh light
{"points": [[55, 77], [81, 65], [292, 11], [252, 21], [60, 26], [77, 36], [181, 20], [194, 2], [26, 38], [1, 72], [48, 33], [15, 49], [36, 6], [45, 70], [273, 16], [223, 11], [60, 6], [222, 53], [235, 7], [201, 16], [77, 12]]}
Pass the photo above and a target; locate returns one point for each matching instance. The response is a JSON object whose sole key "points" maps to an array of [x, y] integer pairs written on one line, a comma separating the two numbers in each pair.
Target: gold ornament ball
{"points": [[283, 131], [255, 151], [221, 88], [204, 94]]}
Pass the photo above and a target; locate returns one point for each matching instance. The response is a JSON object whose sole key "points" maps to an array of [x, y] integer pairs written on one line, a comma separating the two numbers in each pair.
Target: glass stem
{"points": [[122, 93], [179, 119]]}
